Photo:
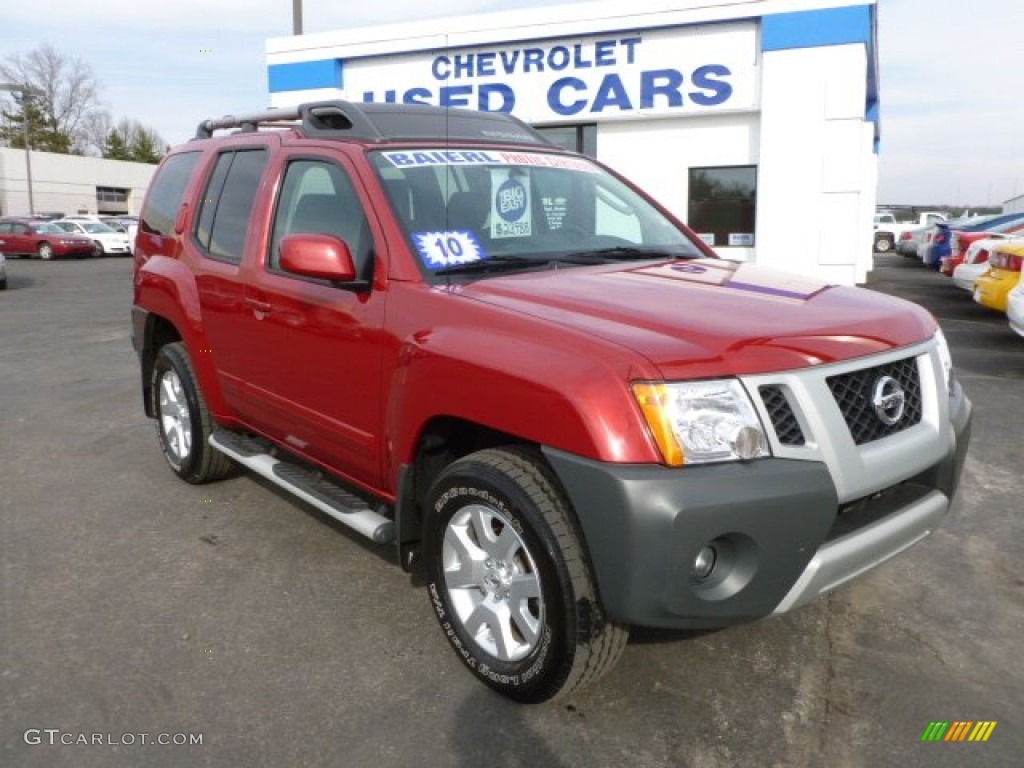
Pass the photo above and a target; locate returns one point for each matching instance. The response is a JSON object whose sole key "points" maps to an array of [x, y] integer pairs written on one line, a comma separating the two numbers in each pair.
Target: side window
{"points": [[207, 206], [20, 229], [5, 228], [164, 199], [225, 212], [317, 197]]}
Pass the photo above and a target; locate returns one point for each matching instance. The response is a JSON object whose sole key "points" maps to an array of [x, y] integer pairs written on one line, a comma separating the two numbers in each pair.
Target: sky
{"points": [[951, 116]]}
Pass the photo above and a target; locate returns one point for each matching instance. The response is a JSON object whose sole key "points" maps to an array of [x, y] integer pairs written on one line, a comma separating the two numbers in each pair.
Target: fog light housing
{"points": [[704, 563]]}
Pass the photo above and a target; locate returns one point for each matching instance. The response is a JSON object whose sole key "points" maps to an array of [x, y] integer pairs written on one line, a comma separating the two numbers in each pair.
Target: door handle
{"points": [[259, 306]]}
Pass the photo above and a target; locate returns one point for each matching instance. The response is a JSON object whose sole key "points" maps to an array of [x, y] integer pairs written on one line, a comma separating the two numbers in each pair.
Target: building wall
{"points": [[67, 183], [801, 101]]}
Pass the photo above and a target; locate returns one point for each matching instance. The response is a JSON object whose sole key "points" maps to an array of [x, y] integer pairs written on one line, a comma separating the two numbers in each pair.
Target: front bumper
{"points": [[782, 535]]}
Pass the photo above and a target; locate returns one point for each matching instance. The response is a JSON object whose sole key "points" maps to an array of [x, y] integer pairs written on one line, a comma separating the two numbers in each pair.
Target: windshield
{"points": [[481, 210], [95, 227]]}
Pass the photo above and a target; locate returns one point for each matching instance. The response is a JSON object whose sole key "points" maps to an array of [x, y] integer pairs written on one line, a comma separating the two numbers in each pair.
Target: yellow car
{"points": [[991, 289]]}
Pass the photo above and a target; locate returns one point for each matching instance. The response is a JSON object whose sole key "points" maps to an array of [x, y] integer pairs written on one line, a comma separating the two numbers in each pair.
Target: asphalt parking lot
{"points": [[134, 603]]}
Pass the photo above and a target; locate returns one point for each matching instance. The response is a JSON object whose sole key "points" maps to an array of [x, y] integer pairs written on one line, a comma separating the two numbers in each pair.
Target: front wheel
{"points": [[883, 245], [510, 580], [45, 251], [97, 249], [183, 422]]}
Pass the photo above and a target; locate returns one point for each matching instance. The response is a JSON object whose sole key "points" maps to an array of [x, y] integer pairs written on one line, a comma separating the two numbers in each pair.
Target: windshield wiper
{"points": [[630, 252], [494, 263]]}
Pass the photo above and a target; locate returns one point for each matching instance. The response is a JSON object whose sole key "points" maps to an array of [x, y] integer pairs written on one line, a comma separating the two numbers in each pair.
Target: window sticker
{"points": [[707, 237], [741, 238], [447, 249], [511, 214]]}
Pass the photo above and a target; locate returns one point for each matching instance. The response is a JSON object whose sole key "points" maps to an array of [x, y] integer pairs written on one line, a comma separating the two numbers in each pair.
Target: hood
{"points": [[711, 317]]}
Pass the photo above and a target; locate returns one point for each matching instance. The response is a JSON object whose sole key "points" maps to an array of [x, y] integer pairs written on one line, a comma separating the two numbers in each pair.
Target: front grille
{"points": [[855, 392], [787, 428]]}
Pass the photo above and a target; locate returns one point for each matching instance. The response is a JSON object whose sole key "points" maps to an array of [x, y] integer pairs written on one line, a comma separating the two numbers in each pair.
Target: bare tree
{"points": [[63, 90], [95, 129]]}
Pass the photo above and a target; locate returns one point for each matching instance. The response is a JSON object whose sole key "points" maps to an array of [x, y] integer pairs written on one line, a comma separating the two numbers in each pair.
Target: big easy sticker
{"points": [[511, 214]]}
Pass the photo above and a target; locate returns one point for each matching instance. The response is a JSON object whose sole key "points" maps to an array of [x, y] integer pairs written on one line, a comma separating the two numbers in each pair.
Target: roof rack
{"points": [[382, 122]]}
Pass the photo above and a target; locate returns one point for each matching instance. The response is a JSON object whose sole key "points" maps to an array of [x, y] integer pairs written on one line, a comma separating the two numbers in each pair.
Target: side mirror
{"points": [[322, 256]]}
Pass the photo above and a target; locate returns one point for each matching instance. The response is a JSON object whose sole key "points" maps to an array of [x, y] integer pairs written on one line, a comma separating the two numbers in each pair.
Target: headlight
{"points": [[701, 421], [942, 347]]}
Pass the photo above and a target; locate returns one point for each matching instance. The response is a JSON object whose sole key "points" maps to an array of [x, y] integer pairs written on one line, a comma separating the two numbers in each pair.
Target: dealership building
{"points": [[754, 121]]}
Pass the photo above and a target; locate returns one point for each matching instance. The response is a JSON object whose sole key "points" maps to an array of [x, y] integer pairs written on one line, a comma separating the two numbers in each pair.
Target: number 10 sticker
{"points": [[447, 249]]}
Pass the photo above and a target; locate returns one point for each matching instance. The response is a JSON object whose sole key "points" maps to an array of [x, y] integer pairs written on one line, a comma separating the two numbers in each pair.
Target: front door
{"points": [[312, 350]]}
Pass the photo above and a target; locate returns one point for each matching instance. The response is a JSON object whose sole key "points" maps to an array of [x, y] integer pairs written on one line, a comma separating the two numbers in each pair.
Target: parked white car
{"points": [[1015, 307], [975, 263], [108, 240]]}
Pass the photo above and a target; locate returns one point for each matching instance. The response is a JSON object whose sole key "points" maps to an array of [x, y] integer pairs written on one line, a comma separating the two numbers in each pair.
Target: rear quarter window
{"points": [[166, 193]]}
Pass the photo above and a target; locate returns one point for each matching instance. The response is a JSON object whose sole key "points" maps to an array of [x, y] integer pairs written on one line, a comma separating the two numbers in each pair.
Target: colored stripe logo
{"points": [[958, 730]]}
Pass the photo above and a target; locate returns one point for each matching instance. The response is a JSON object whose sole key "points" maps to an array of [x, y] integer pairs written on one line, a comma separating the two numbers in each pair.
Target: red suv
{"points": [[542, 389]]}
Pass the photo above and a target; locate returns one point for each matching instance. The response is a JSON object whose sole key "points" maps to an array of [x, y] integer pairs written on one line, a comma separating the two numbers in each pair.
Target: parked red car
{"points": [[961, 241], [31, 237]]}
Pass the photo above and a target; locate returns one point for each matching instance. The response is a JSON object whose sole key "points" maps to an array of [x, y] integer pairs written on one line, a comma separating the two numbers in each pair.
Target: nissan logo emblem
{"points": [[888, 400]]}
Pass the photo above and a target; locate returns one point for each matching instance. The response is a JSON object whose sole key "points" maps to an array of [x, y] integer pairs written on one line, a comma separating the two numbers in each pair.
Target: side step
{"points": [[330, 498]]}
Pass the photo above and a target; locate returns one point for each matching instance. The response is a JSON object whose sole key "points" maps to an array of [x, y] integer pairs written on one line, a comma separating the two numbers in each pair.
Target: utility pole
{"points": [[296, 17], [25, 91]]}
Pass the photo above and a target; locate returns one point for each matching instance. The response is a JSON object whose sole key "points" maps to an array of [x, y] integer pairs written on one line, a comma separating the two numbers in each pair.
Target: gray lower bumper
{"points": [[780, 534]]}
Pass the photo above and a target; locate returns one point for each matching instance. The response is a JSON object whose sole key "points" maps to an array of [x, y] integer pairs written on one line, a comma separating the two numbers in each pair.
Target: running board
{"points": [[330, 498]]}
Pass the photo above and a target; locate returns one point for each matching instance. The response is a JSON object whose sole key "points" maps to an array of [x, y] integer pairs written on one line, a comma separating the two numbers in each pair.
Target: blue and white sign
{"points": [[447, 249], [673, 71]]}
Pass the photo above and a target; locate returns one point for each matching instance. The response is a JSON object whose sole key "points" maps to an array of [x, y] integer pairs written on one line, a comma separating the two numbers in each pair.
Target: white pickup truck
{"points": [[888, 231]]}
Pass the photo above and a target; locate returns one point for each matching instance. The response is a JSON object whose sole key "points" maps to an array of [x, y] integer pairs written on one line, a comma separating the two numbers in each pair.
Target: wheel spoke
{"points": [[463, 562], [523, 586], [480, 521], [506, 545], [184, 439], [168, 386], [527, 624], [490, 623]]}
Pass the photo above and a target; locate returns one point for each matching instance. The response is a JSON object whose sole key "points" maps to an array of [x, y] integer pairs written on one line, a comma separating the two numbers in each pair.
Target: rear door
{"points": [[221, 231]]}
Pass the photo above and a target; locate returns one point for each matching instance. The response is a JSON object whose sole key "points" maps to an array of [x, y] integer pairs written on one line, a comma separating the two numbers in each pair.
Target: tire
{"points": [[183, 422], [97, 249], [883, 244], [498, 526], [3, 284], [45, 251]]}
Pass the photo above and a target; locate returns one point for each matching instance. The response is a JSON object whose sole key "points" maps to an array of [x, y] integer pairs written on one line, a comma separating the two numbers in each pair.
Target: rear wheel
{"points": [[510, 581], [883, 244], [45, 251], [183, 421]]}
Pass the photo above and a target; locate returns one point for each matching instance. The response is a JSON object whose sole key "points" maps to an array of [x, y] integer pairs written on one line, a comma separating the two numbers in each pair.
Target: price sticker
{"points": [[447, 249]]}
